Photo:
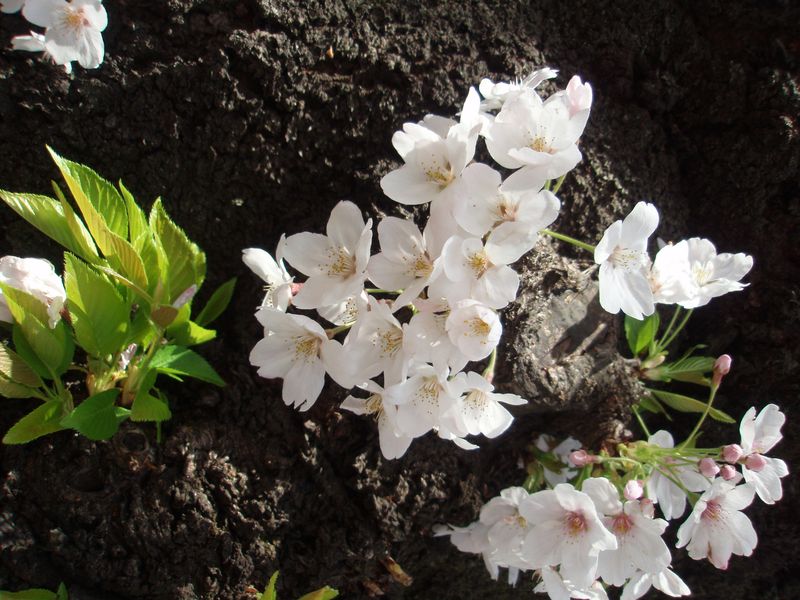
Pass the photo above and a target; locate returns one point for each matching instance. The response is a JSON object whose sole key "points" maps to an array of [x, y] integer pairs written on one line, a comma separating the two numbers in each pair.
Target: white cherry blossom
{"points": [[392, 441], [496, 94], [335, 264], [278, 286], [474, 329], [624, 263], [34, 276], [716, 529], [558, 588], [561, 450], [759, 435], [666, 581], [660, 489], [421, 400], [72, 29], [481, 409], [427, 339]]}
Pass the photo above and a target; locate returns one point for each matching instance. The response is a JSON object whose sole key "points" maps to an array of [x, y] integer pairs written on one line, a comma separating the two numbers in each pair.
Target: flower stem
{"points": [[641, 421], [568, 239], [665, 343], [337, 330], [559, 181], [380, 291], [488, 372]]}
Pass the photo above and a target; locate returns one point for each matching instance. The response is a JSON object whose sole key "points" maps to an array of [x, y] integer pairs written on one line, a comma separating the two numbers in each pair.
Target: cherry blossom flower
{"points": [[481, 409], [562, 451], [279, 282], [35, 42], [624, 263], [759, 435], [11, 6], [392, 441], [404, 262], [422, 400], [507, 528], [716, 528], [427, 339], [346, 312], [565, 530], [335, 264], [474, 329], [297, 349], [496, 94], [34, 276], [559, 588], [660, 489], [73, 29]]}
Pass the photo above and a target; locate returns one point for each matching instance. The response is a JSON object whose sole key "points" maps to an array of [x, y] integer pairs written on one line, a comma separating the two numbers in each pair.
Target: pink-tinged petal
{"points": [[604, 495], [408, 185], [542, 545], [307, 252], [541, 507], [272, 356], [579, 567], [43, 12], [94, 12], [303, 384], [739, 497], [768, 428], [720, 548], [744, 534], [345, 225], [767, 482]]}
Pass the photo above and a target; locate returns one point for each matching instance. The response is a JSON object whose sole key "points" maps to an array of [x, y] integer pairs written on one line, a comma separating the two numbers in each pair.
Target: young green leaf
{"points": [[97, 417], [217, 303], [11, 389], [147, 407], [27, 354], [42, 420], [650, 404], [46, 214], [31, 594], [640, 334], [184, 262], [691, 369], [61, 592], [683, 403], [137, 222], [82, 236], [99, 313], [103, 196], [270, 593], [14, 368], [189, 334], [324, 593], [180, 361]]}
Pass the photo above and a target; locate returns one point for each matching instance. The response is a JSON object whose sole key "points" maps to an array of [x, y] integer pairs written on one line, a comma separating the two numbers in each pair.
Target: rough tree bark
{"points": [[254, 117]]}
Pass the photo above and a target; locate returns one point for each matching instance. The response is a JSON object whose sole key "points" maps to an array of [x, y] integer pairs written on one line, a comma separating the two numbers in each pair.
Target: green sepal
{"points": [[97, 417], [42, 420], [178, 362], [686, 404], [217, 304], [99, 313]]}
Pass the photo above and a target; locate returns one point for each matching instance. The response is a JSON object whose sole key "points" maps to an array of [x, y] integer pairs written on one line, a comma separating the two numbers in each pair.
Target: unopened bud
{"points": [[755, 462], [185, 296], [721, 368], [295, 287], [581, 458], [633, 490], [648, 507], [732, 453], [727, 472], [708, 467]]}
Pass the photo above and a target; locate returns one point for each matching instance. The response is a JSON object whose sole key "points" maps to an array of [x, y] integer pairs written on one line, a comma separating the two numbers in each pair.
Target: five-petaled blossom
{"points": [[759, 435]]}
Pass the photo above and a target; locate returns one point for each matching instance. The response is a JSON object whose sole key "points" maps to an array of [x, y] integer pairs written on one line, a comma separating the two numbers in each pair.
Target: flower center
{"points": [[539, 144], [625, 258], [421, 267], [621, 524], [341, 263], [575, 523], [440, 174], [306, 348], [479, 328], [374, 405], [702, 273], [390, 341], [476, 399], [74, 19], [713, 511], [478, 262]]}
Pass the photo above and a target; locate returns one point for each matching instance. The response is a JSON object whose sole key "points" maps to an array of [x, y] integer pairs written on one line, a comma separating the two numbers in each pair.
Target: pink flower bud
{"points": [[708, 467], [732, 453], [295, 287], [648, 507], [755, 462], [633, 490], [721, 368], [727, 472], [581, 458]]}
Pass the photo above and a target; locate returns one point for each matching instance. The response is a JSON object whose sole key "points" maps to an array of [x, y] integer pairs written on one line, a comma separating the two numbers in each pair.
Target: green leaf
{"points": [[184, 262], [686, 404], [640, 334], [11, 389], [42, 420], [137, 222], [690, 369], [147, 407], [51, 346], [45, 214], [180, 361], [27, 354], [13, 367], [217, 303], [88, 249], [31, 594], [269, 593], [189, 334], [61, 592], [324, 593], [83, 181], [99, 313], [650, 404], [97, 417]]}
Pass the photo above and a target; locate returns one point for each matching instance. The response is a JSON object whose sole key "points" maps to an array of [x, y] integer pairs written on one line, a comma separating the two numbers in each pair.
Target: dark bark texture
{"points": [[254, 117]]}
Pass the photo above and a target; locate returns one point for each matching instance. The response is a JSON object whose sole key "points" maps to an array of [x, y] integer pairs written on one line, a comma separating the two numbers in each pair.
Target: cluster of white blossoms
{"points": [[72, 30], [408, 341], [580, 538], [689, 273]]}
